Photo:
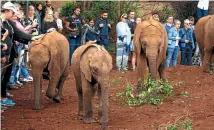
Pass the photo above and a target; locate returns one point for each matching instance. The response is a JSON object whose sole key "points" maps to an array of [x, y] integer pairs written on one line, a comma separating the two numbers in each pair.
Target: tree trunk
{"points": [[88, 4], [118, 7]]}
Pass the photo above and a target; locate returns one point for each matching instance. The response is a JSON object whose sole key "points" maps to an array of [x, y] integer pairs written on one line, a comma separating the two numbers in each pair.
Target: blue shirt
{"points": [[186, 35], [104, 31], [168, 27], [172, 37]]}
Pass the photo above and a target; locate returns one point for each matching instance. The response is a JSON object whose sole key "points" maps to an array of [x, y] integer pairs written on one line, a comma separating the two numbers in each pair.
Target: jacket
{"points": [[172, 37], [104, 31], [186, 35], [14, 35]]}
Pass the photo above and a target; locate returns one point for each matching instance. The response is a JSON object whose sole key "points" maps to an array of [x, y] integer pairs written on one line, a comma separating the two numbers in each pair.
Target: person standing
{"points": [[186, 43], [90, 33], [7, 12], [45, 9], [123, 43], [169, 23], [58, 21], [73, 25], [132, 24], [173, 48], [38, 14], [202, 8], [104, 27], [49, 23]]}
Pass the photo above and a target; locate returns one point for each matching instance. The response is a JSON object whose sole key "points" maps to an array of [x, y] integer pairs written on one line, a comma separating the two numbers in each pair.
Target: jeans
{"points": [[172, 54], [104, 42], [186, 55], [16, 70], [74, 43], [201, 13]]}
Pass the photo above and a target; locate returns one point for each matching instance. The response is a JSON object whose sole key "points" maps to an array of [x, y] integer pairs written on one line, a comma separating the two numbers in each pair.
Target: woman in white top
{"points": [[202, 8], [123, 43]]}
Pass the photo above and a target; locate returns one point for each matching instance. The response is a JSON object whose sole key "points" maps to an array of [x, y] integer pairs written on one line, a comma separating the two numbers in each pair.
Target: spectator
{"points": [[173, 40], [202, 8], [32, 20], [58, 21], [49, 23], [18, 66], [38, 14], [186, 43], [138, 21], [169, 23], [196, 59], [74, 25], [7, 12], [123, 43], [104, 27], [131, 22], [45, 9], [90, 33]]}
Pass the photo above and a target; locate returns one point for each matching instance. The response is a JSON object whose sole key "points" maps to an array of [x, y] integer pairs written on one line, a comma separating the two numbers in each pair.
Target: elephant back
{"points": [[76, 57], [200, 30], [58, 49]]}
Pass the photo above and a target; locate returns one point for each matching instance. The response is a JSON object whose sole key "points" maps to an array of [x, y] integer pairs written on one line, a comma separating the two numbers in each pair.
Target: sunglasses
{"points": [[125, 17]]}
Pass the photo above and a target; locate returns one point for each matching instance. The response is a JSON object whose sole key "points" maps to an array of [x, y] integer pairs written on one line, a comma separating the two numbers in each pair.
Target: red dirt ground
{"points": [[198, 106]]}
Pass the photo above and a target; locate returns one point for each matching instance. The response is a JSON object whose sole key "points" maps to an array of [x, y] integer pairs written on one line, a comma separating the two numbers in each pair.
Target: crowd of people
{"points": [[17, 32]]}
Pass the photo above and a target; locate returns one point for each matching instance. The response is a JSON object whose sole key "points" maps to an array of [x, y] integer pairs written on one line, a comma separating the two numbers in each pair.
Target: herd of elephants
{"points": [[92, 64]]}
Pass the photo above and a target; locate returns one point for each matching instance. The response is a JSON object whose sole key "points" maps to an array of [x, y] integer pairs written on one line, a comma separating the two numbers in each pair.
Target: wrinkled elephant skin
{"points": [[51, 52], [150, 42], [91, 65], [205, 38]]}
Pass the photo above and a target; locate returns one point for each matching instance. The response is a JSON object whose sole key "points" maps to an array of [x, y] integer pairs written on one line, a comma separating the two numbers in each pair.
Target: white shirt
{"points": [[203, 4], [59, 23], [123, 29]]}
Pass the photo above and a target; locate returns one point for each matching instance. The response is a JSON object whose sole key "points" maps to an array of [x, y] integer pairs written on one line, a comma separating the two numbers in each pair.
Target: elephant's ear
{"points": [[85, 66], [137, 44]]}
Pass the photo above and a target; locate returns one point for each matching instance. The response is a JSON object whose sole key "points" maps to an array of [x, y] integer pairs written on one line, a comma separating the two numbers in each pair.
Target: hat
{"points": [[10, 6]]}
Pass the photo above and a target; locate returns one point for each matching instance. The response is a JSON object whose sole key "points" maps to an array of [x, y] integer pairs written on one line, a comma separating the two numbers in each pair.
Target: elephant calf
{"points": [[51, 52], [205, 38], [91, 65]]}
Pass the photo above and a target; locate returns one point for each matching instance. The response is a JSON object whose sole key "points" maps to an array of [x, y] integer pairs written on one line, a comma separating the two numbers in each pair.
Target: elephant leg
{"points": [[37, 89], [141, 71], [206, 60], [54, 80], [58, 96], [80, 95], [161, 71], [87, 100], [103, 109]]}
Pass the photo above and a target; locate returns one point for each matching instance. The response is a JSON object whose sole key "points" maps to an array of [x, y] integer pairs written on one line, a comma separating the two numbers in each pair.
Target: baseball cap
{"points": [[10, 6]]}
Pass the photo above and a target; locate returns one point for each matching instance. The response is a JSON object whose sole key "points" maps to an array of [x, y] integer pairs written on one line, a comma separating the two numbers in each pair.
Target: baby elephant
{"points": [[91, 65]]}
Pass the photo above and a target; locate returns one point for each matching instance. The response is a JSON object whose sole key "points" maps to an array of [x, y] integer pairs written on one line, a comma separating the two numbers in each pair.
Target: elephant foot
{"points": [[104, 126], [56, 99], [80, 115], [89, 120], [38, 107]]}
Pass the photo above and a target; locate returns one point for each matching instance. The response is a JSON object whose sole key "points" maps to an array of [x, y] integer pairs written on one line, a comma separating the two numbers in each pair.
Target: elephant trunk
{"points": [[153, 66]]}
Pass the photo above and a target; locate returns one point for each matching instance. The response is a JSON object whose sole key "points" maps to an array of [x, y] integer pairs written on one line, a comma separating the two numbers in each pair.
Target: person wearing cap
{"points": [[7, 12]]}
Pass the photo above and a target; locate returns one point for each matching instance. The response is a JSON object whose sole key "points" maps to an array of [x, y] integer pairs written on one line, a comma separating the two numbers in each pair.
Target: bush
{"points": [[67, 9]]}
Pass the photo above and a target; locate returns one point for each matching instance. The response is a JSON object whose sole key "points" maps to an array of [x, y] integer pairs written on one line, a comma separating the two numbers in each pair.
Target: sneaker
{"points": [[7, 102], [30, 79], [18, 83], [125, 69], [9, 95], [3, 108]]}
